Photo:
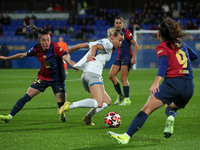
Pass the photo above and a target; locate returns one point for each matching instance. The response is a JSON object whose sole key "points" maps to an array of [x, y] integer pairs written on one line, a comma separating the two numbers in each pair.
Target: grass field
{"points": [[36, 126]]}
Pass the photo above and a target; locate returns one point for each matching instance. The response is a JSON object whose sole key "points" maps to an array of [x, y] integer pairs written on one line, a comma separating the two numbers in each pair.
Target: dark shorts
{"points": [[57, 87], [178, 90], [126, 62]]}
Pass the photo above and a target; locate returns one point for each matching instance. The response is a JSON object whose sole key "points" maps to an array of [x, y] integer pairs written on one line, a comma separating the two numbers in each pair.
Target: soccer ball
{"points": [[112, 119]]}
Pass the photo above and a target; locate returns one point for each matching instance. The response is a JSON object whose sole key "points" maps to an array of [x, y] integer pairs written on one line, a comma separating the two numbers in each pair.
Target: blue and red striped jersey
{"points": [[125, 51], [51, 62], [179, 59]]}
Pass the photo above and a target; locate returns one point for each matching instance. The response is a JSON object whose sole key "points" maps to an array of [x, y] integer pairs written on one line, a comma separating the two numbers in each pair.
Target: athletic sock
{"points": [[60, 104], [170, 111], [94, 111], [137, 123], [126, 91], [86, 103], [20, 104], [118, 88]]}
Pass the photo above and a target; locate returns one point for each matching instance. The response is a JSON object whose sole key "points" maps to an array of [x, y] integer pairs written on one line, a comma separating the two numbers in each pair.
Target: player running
{"points": [[177, 87], [51, 73], [91, 78], [123, 63]]}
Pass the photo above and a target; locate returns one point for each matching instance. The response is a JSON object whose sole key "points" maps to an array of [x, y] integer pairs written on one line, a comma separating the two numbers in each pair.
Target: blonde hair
{"points": [[113, 31]]}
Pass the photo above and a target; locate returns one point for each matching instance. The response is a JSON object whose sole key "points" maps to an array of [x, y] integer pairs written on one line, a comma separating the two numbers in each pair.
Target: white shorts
{"points": [[88, 79]]}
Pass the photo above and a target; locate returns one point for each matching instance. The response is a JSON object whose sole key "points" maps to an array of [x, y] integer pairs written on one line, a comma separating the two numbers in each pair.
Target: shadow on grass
{"points": [[114, 146], [31, 108], [134, 143]]}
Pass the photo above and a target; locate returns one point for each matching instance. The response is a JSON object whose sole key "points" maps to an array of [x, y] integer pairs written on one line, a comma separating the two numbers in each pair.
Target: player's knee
{"points": [[100, 104], [111, 77], [108, 102]]}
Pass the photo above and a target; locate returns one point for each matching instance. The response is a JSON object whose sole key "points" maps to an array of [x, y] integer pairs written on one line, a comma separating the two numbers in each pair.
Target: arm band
{"points": [[162, 66], [63, 54]]}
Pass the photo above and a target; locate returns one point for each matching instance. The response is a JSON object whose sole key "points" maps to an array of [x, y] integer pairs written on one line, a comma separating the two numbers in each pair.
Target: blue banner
{"points": [[146, 56]]}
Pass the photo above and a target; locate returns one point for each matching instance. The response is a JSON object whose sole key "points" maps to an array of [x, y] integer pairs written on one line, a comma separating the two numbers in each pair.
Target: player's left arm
{"points": [[93, 49], [68, 60], [155, 87], [192, 54], [77, 47], [133, 59], [163, 66]]}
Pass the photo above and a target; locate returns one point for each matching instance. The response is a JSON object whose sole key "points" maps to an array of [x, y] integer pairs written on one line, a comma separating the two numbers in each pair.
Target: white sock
{"points": [[10, 116], [127, 135], [94, 111], [86, 103]]}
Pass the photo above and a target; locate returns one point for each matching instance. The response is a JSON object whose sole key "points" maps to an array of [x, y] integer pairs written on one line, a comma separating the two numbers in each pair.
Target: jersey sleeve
{"points": [[128, 35], [108, 46], [163, 65], [160, 51], [59, 52], [31, 52], [192, 54]]}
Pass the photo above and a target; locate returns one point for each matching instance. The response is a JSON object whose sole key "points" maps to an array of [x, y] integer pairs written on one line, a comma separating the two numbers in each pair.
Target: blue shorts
{"points": [[178, 90], [57, 87], [126, 62]]}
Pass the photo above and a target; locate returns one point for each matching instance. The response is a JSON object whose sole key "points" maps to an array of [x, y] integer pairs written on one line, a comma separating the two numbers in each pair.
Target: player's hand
{"points": [[154, 89], [91, 58], [3, 58], [133, 60], [75, 69]]}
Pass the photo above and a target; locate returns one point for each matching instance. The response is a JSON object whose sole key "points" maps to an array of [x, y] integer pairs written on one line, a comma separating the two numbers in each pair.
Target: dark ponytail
{"points": [[34, 28], [171, 30]]}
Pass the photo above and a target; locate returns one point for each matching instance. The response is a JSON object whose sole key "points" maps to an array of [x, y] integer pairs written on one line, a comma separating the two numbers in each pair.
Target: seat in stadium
{"points": [[21, 38]]}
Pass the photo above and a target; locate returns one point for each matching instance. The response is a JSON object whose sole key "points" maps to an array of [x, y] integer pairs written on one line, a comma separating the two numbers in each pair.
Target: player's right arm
{"points": [[78, 46], [16, 56]]}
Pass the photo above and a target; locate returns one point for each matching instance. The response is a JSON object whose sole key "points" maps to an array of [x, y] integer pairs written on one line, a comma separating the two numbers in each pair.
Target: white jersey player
{"points": [[101, 58], [91, 78]]}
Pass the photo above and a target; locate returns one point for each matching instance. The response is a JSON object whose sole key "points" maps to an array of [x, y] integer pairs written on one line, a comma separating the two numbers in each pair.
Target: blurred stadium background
{"points": [[82, 15]]}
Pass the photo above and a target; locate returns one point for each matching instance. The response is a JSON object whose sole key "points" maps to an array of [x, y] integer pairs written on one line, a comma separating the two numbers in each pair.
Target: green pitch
{"points": [[37, 127]]}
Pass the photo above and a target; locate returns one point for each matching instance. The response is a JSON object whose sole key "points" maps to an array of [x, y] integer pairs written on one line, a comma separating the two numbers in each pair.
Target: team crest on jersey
{"points": [[47, 64], [44, 56], [60, 49], [130, 34]]}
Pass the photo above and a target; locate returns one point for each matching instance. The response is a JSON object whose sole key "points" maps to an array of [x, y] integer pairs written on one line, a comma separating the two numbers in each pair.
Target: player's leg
{"points": [[88, 118], [36, 87], [184, 90], [151, 105], [60, 94], [171, 112], [112, 76], [60, 102], [87, 80], [98, 93], [20, 104], [126, 88]]}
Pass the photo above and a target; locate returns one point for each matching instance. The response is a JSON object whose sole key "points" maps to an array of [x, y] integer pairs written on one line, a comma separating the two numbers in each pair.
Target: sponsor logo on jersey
{"points": [[160, 51]]}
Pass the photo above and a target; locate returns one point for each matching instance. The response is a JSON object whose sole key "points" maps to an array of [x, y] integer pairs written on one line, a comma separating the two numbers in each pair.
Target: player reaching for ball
{"points": [[52, 72], [177, 87], [91, 78]]}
